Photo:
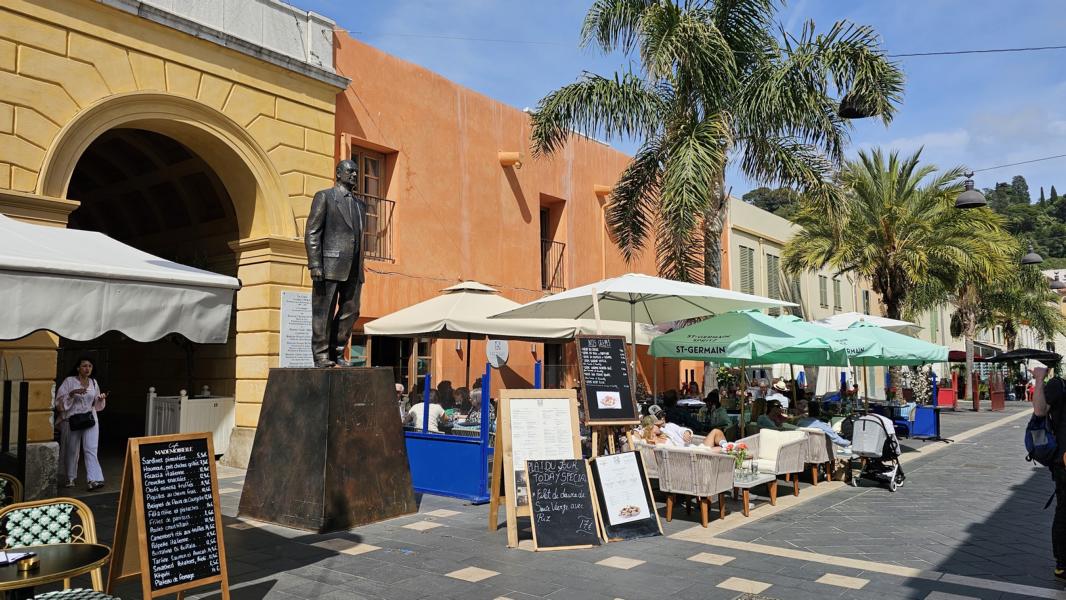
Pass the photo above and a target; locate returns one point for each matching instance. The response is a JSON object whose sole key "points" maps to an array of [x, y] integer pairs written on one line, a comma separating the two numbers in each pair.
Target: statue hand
{"points": [[316, 275]]}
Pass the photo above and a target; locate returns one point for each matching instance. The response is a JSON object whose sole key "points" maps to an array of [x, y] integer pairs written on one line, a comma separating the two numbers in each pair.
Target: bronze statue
{"points": [[334, 240]]}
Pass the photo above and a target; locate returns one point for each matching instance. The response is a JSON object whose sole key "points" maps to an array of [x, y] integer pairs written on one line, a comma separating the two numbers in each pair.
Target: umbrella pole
{"points": [[468, 361], [792, 376], [596, 311], [865, 388], [633, 347], [742, 394]]}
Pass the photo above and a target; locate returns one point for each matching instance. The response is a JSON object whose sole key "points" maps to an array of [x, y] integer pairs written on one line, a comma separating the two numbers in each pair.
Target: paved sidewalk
{"points": [[968, 523]]}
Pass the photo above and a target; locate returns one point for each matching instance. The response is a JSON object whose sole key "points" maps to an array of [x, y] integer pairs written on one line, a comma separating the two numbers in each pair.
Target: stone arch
{"points": [[259, 198]]}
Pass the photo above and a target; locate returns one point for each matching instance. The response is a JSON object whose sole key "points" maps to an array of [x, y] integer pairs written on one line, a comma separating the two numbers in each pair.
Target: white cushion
{"points": [[770, 441], [766, 467]]}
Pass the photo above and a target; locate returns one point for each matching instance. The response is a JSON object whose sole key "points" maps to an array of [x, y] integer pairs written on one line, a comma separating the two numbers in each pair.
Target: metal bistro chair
{"points": [[694, 472], [10, 489], [51, 521], [75, 594]]}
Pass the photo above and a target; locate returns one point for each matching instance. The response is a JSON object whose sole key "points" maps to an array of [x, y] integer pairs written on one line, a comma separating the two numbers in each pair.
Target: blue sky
{"points": [[977, 110]]}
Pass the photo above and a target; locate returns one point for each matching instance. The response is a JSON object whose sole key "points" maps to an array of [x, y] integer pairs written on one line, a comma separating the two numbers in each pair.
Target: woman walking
{"points": [[78, 399]]}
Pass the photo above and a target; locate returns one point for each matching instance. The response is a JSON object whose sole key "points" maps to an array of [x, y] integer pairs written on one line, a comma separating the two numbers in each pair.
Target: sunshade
{"points": [[844, 320], [874, 346], [1048, 358], [82, 284], [751, 338], [462, 311]]}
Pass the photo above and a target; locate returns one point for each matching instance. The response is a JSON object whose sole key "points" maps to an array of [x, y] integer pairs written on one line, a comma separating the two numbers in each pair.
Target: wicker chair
{"points": [[694, 472], [819, 451], [779, 453], [51, 521], [10, 489], [648, 457]]}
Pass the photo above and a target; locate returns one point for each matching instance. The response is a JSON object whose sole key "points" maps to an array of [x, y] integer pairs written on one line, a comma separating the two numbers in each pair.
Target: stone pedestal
{"points": [[329, 452]]}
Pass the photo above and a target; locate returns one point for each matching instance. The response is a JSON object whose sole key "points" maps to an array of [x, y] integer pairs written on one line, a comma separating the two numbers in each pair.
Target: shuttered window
{"points": [[773, 280], [866, 301], [823, 293], [747, 270], [836, 294]]}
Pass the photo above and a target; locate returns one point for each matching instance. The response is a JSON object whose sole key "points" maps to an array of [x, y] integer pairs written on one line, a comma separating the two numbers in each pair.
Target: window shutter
{"points": [[747, 270], [836, 294], [823, 294], [773, 280]]}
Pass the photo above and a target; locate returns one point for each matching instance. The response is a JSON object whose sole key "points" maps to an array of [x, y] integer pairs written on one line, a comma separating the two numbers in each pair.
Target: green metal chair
{"points": [[51, 521]]}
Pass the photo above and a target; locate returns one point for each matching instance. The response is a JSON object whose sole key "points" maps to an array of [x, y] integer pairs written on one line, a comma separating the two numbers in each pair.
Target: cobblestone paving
{"points": [[968, 524]]}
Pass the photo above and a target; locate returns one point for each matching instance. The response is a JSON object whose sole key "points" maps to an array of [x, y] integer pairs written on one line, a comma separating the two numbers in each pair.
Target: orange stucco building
{"points": [[441, 156]]}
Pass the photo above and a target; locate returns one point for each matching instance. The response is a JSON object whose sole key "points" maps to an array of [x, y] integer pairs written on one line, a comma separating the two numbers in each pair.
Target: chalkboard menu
{"points": [[168, 531], [563, 512], [605, 387], [627, 508], [179, 512]]}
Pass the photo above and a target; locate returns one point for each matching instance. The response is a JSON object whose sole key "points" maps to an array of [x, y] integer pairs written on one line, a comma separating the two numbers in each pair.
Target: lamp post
{"points": [[1032, 258], [970, 198]]}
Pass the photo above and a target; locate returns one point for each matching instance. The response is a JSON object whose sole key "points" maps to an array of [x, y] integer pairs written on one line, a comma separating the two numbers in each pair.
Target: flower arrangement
{"points": [[739, 452]]}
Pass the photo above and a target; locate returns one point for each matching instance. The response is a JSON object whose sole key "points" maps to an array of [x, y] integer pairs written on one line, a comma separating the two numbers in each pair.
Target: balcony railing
{"points": [[377, 239], [552, 277]]}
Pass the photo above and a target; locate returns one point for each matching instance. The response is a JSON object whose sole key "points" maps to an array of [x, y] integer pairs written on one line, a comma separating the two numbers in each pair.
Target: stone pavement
{"points": [[967, 524]]}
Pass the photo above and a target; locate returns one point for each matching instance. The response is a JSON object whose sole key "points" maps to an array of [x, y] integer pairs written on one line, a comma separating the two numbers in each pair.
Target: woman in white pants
{"points": [[79, 395]]}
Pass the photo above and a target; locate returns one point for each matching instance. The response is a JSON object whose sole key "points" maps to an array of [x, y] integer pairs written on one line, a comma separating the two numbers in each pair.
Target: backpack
{"points": [[1040, 442]]}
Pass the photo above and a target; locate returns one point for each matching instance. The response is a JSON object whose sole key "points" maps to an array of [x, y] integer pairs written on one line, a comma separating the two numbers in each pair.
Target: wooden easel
{"points": [[130, 558], [503, 459], [609, 431]]}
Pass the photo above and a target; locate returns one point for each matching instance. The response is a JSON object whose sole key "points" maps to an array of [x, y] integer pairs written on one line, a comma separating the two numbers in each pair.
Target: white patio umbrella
{"points": [[845, 320], [638, 298]]}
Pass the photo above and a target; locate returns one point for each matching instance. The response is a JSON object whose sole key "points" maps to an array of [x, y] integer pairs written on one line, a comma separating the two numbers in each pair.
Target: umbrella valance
{"points": [[82, 284], [1044, 356], [751, 338], [875, 346]]}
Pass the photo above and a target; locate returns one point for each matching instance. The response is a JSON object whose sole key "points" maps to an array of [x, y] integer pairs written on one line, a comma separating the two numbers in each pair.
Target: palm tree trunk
{"points": [[969, 366], [713, 221]]}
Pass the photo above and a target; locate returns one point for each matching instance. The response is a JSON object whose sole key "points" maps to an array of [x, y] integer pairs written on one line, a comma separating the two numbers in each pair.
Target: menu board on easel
{"points": [[168, 531], [626, 504], [533, 425], [605, 381], [564, 511]]}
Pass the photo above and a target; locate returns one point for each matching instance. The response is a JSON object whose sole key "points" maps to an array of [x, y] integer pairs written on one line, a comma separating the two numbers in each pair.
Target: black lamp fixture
{"points": [[1057, 284], [970, 198], [1032, 258]]}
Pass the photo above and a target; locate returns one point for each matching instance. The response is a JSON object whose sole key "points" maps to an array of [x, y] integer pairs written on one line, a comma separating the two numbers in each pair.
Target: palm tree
{"points": [[897, 226], [1022, 298], [714, 86]]}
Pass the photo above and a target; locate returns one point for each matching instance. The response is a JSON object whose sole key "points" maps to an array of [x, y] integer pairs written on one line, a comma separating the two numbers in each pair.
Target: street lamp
{"points": [[970, 198], [1057, 284], [1032, 258]]}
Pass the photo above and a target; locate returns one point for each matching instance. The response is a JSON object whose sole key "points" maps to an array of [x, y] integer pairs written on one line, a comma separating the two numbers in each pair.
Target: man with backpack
{"points": [[1046, 427]]}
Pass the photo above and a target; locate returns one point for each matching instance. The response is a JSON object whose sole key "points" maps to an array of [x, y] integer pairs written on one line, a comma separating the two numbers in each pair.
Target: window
{"points": [[866, 302], [552, 253], [747, 270], [836, 294], [378, 235], [773, 280], [823, 294]]}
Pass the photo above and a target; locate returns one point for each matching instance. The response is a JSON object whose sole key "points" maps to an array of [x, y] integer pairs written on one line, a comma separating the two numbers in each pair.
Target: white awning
{"points": [[82, 284]]}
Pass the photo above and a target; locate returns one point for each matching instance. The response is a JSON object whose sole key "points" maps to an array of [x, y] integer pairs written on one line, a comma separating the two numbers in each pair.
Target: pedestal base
{"points": [[329, 451]]}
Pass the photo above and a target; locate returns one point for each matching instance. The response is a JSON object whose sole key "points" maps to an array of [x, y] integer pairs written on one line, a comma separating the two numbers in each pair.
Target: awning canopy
{"points": [[82, 284]]}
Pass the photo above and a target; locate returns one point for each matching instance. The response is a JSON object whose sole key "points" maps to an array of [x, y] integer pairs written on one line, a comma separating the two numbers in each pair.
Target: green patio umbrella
{"points": [[748, 338], [880, 347]]}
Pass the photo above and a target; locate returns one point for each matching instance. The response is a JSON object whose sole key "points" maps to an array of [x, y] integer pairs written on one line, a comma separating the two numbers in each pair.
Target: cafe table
{"points": [[745, 485], [58, 562]]}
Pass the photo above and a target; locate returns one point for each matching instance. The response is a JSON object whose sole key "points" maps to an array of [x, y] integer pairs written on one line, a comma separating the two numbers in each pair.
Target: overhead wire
{"points": [[1024, 162]]}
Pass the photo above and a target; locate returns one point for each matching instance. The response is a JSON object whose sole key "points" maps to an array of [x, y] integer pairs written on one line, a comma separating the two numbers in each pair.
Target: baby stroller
{"points": [[874, 439]]}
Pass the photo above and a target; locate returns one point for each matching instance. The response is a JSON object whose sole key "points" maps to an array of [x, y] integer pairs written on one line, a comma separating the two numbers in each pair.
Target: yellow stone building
{"points": [[179, 136]]}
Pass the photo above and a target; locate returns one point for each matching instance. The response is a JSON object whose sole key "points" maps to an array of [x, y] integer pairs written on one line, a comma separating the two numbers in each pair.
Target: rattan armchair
{"points": [[11, 490], [694, 472], [819, 451], [648, 457], [51, 521], [779, 453]]}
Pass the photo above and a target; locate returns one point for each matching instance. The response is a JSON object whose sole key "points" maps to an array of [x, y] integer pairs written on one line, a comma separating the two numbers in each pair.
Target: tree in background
{"points": [[1043, 201], [713, 86], [897, 226], [1019, 191], [783, 202]]}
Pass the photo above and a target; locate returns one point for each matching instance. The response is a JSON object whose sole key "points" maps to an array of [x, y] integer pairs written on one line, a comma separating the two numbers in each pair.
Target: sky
{"points": [[979, 110]]}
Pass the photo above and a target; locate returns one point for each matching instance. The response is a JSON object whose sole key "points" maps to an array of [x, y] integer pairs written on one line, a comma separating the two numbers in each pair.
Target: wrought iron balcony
{"points": [[552, 276], [377, 239]]}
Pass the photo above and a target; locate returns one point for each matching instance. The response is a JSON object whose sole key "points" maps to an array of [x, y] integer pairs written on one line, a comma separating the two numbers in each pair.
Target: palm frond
{"points": [[631, 212], [612, 24], [623, 106]]}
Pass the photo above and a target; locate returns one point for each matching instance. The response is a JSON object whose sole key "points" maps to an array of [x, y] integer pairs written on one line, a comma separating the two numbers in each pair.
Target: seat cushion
{"points": [[770, 441], [766, 466]]}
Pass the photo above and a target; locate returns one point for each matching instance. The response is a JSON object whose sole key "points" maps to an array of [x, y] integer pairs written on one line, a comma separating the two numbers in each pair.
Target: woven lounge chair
{"points": [[779, 453], [694, 472]]}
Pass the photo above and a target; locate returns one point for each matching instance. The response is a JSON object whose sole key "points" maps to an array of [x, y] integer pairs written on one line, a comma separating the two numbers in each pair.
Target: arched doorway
{"points": [[152, 192]]}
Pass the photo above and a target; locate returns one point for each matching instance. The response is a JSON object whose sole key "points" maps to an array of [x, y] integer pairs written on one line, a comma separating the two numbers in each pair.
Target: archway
{"points": [[180, 180]]}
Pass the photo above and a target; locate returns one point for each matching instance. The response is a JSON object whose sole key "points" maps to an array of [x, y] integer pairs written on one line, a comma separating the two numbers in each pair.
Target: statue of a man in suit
{"points": [[334, 240]]}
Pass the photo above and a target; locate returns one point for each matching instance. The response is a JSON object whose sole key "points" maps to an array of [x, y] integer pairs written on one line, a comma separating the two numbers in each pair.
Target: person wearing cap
{"points": [[774, 417], [779, 393]]}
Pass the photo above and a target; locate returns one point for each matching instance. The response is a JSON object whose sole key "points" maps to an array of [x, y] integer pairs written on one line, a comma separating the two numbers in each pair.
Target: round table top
{"points": [[58, 561]]}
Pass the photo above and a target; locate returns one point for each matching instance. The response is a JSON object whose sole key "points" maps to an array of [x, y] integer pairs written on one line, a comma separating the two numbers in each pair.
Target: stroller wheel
{"points": [[899, 479], [892, 485]]}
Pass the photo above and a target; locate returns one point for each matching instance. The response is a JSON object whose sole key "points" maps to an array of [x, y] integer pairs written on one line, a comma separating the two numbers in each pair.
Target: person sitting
{"points": [[778, 392], [681, 437], [826, 427], [694, 389], [712, 414], [675, 413], [775, 416], [650, 432], [436, 414]]}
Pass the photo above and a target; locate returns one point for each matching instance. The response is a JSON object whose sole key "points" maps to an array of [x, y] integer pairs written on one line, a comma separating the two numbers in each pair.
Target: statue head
{"points": [[347, 173]]}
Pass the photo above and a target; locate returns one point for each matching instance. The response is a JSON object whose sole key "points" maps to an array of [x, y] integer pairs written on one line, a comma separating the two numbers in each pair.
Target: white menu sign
{"points": [[540, 430], [295, 346], [623, 488]]}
